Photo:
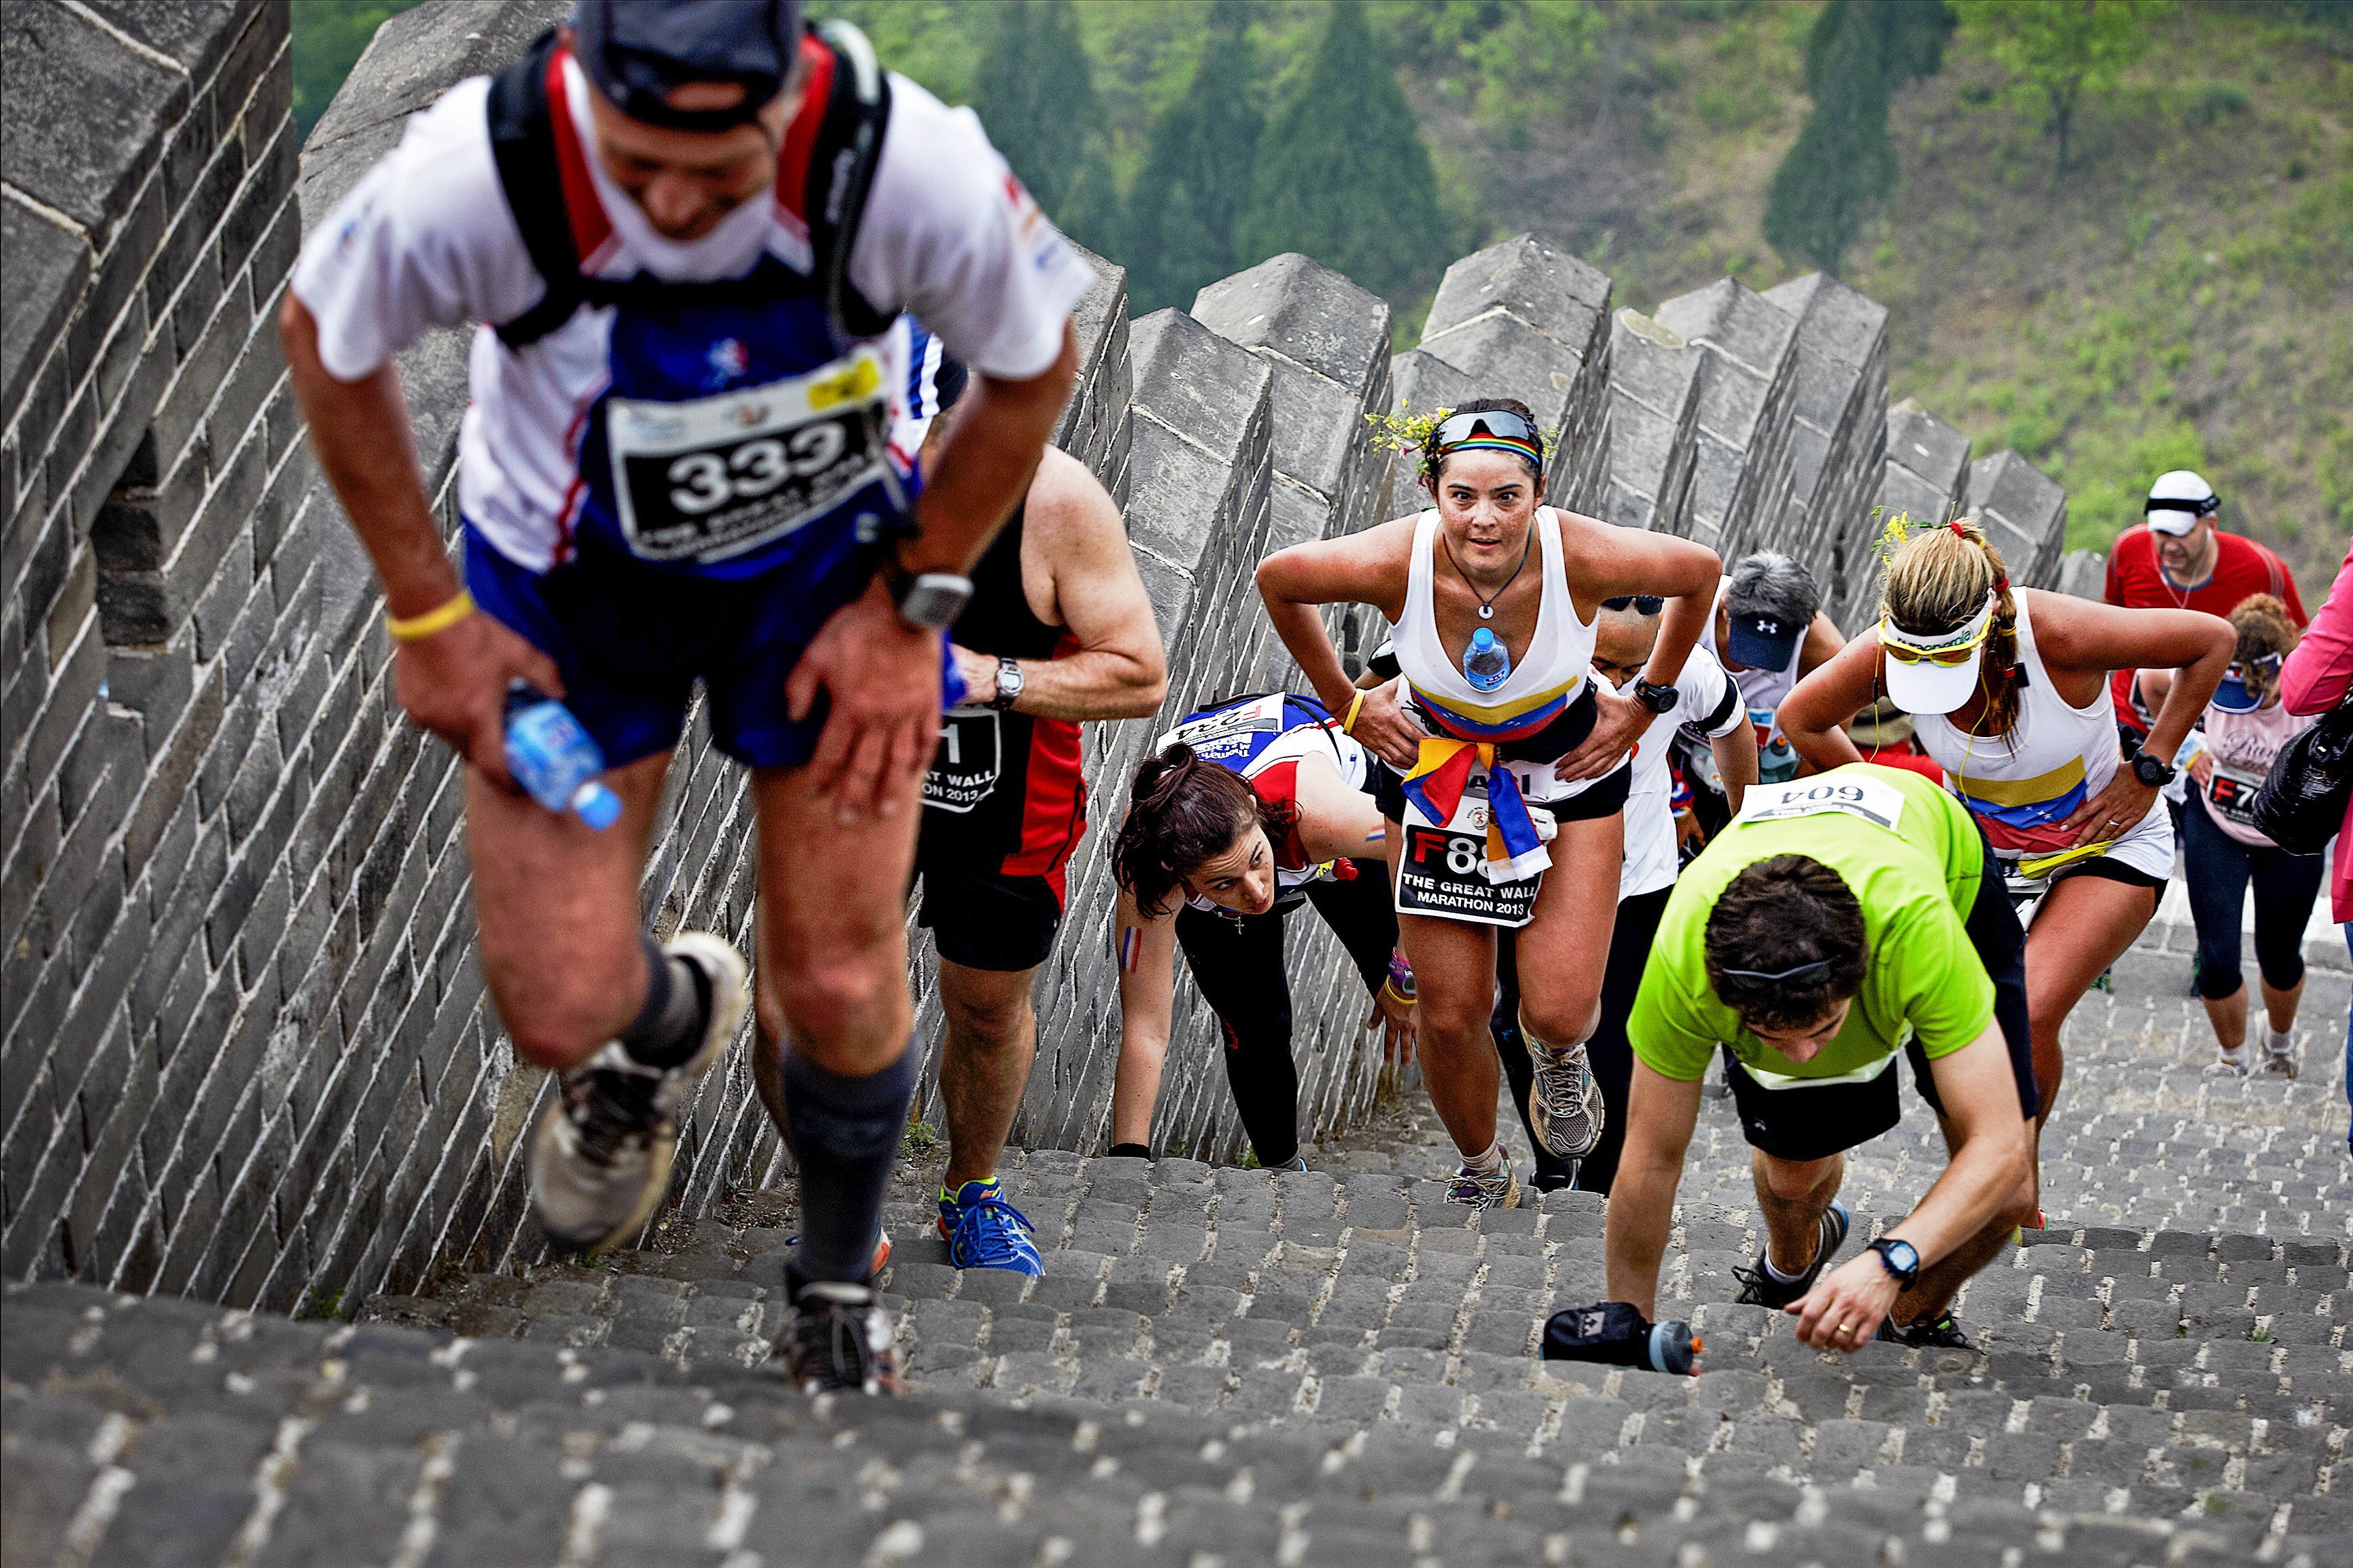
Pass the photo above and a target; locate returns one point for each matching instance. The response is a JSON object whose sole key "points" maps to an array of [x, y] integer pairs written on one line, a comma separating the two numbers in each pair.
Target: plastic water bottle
{"points": [[1486, 663], [1673, 1348], [555, 760]]}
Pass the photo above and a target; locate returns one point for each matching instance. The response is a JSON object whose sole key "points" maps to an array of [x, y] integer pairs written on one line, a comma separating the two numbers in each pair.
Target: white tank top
{"points": [[2022, 786], [1544, 680]]}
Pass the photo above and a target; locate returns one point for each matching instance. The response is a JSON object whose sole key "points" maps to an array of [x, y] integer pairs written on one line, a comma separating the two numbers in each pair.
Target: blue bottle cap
{"points": [[1483, 637], [598, 806]]}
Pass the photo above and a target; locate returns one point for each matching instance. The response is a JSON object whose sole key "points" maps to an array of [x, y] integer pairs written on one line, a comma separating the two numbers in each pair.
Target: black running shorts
{"points": [[986, 919], [1814, 1123]]}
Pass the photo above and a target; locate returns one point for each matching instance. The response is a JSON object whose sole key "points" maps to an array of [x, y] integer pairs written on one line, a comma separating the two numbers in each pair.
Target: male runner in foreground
{"points": [[1838, 918], [687, 230]]}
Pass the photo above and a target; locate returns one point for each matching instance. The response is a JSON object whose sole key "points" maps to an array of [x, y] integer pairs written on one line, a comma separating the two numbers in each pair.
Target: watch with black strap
{"points": [[928, 600], [2154, 771], [1009, 681], [1899, 1258], [1656, 698]]}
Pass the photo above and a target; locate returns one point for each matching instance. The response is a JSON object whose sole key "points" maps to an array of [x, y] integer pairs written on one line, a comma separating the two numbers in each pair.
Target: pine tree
{"points": [[1192, 192], [1036, 95], [1844, 163], [2058, 50], [1342, 175]]}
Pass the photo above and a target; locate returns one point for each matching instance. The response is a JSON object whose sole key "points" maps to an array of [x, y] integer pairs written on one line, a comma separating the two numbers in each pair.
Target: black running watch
{"points": [[1657, 699], [1900, 1259], [2151, 771]]}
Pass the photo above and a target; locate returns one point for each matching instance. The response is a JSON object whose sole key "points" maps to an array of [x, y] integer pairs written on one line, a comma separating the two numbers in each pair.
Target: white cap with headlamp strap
{"points": [[2178, 500]]}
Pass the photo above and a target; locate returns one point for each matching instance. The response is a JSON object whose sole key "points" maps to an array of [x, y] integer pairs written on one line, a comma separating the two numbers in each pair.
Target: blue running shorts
{"points": [[630, 643]]}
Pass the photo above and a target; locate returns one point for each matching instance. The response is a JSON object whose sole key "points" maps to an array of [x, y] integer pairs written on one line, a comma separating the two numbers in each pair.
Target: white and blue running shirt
{"points": [[1706, 703], [426, 239]]}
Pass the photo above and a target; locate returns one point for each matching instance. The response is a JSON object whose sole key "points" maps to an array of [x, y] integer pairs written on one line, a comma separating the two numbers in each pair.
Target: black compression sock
{"points": [[668, 1027], [845, 1136], [1131, 1152]]}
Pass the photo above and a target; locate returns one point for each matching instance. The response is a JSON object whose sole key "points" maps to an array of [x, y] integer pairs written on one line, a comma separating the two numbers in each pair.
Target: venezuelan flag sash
{"points": [[1436, 786]]}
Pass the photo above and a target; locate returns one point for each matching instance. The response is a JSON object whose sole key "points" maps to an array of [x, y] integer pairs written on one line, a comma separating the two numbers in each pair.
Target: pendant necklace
{"points": [[1487, 604]]}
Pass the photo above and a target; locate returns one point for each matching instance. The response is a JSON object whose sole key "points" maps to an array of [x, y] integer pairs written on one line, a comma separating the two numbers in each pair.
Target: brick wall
{"points": [[245, 1052]]}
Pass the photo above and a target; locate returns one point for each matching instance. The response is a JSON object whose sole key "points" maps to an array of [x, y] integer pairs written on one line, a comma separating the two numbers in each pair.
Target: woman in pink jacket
{"points": [[2315, 679]]}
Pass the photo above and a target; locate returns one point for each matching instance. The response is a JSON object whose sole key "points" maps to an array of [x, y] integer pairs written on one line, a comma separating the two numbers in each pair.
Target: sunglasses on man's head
{"points": [[1643, 603]]}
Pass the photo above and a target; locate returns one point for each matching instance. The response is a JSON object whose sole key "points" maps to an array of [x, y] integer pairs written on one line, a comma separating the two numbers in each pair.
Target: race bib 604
{"points": [[1873, 800]]}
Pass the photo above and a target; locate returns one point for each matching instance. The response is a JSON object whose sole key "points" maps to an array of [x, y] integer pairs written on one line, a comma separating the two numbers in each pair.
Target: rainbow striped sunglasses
{"points": [[1492, 430]]}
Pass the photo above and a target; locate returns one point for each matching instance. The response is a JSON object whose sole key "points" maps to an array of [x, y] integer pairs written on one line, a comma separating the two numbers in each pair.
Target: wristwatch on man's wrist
{"points": [[1657, 699], [929, 600], [2152, 771], [1009, 682], [1899, 1258]]}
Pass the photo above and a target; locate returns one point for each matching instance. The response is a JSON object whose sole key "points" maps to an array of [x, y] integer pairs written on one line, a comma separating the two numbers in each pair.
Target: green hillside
{"points": [[2183, 295]]}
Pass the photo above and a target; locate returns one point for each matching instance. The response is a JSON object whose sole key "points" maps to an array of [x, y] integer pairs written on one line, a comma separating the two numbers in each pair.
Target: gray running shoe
{"points": [[837, 1337], [1472, 1190], [601, 1157], [1565, 1102], [2280, 1062]]}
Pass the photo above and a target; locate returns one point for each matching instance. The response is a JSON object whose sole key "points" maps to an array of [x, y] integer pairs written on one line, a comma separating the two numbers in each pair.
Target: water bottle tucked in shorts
{"points": [[1486, 663], [555, 760]]}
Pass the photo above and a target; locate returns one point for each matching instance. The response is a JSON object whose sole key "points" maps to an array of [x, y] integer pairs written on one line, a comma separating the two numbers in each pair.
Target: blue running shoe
{"points": [[983, 1231]]}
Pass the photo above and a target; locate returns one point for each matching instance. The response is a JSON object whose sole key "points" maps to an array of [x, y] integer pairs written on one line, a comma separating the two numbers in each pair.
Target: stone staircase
{"points": [[1240, 1366]]}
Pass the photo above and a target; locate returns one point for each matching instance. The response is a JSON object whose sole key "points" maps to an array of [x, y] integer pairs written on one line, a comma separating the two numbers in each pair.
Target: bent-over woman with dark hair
{"points": [[1244, 811], [1496, 720]]}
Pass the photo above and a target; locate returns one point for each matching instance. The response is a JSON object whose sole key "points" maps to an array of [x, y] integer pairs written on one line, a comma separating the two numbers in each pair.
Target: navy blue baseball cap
{"points": [[638, 52], [1764, 641]]}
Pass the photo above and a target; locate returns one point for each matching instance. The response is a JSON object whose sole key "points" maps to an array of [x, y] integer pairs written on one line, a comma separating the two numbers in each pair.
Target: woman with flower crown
{"points": [[1492, 598]]}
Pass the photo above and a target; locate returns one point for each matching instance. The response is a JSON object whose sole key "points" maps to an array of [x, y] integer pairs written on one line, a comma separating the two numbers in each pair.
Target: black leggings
{"points": [[1237, 964], [2218, 867], [1610, 1053]]}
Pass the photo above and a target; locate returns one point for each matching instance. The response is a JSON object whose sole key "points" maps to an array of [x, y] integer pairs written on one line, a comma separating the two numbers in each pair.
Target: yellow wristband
{"points": [[1390, 986], [1355, 706], [417, 628]]}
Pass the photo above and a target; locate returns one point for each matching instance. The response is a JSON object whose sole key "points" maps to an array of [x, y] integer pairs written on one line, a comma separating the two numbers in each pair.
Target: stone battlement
{"points": [[247, 1049]]}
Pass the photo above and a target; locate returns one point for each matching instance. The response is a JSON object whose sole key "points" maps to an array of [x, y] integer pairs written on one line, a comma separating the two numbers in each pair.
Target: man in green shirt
{"points": [[1839, 919]]}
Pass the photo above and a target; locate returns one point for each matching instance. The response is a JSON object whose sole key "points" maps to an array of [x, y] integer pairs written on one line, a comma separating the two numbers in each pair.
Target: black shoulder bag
{"points": [[2303, 799]]}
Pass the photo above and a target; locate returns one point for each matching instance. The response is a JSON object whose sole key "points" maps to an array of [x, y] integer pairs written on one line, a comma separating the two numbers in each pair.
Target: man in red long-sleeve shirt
{"points": [[2180, 559]]}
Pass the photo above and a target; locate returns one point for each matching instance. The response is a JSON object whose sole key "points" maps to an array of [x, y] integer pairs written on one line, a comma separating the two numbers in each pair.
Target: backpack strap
{"points": [[522, 144], [839, 175]]}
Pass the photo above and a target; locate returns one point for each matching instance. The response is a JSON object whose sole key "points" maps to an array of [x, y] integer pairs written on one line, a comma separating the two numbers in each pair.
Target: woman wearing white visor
{"points": [[2008, 691]]}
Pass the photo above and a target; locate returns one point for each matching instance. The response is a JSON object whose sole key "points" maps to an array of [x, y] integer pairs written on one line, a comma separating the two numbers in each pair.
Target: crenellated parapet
{"points": [[245, 1046]]}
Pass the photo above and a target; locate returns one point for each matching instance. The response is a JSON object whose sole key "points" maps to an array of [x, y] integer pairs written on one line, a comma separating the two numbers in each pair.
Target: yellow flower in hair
{"points": [[1402, 430], [1892, 536]]}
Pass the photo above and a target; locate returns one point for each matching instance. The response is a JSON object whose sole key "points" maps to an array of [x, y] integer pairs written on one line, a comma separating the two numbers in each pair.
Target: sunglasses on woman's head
{"points": [[1950, 658], [1643, 603]]}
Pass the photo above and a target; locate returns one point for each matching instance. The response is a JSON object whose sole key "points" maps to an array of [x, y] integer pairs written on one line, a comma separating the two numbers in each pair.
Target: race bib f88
{"points": [[715, 476], [1442, 874], [1873, 800]]}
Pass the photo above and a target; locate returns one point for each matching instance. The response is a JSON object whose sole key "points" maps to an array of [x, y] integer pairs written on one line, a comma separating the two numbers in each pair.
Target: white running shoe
{"points": [[2279, 1053], [600, 1159], [2231, 1063], [1565, 1102]]}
